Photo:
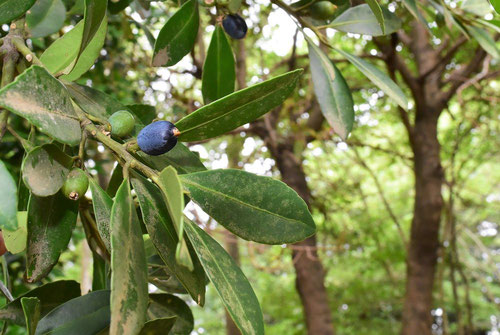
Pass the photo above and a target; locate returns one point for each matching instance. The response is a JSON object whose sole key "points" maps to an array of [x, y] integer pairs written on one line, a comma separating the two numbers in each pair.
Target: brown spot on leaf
{"points": [[161, 58]]}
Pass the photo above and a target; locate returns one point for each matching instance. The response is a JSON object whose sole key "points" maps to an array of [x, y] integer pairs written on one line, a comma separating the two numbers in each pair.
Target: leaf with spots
{"points": [[8, 200], [255, 208], [237, 109], [332, 92], [229, 281], [129, 276], [180, 157], [50, 224], [164, 305], [50, 295], [178, 35], [165, 239], [45, 102], [12, 9], [102, 204], [45, 169]]}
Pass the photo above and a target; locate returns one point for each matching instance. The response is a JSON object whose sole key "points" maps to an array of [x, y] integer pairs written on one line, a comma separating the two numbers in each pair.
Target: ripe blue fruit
{"points": [[235, 26], [157, 138]]}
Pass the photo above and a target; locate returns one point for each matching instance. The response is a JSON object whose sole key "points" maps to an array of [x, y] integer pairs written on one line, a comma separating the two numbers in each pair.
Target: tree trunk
{"points": [[424, 237], [310, 276]]}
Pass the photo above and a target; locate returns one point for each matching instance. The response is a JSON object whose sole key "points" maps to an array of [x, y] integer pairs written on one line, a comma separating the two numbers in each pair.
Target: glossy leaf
{"points": [[219, 74], [229, 281], [256, 208], [15, 240], [102, 204], [45, 169], [32, 308], [45, 17], [378, 78], [94, 15], [171, 187], [88, 314], [377, 11], [237, 108], [361, 20], [50, 224], [411, 5], [178, 35], [99, 104], [115, 181], [145, 113], [43, 100], [129, 282], [12, 9], [332, 92], [8, 199], [485, 40], [165, 239], [158, 326], [60, 54], [496, 5], [164, 305], [180, 157], [51, 295]]}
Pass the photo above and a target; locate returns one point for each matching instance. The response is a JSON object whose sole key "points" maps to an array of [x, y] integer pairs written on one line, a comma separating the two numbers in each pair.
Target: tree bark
{"points": [[310, 276], [424, 236]]}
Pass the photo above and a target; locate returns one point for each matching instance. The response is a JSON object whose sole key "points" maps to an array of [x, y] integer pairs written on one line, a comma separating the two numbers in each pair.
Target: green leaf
{"points": [[115, 181], [158, 326], [45, 169], [237, 108], [234, 6], [15, 240], [378, 78], [361, 20], [170, 186], [99, 104], [129, 281], [102, 204], [180, 157], [165, 239], [492, 24], [8, 199], [100, 278], [485, 40], [43, 100], [178, 35], [411, 5], [12, 9], [88, 314], [218, 74], [60, 54], [255, 208], [229, 281], [496, 5], [478, 7], [50, 223], [164, 305], [332, 92], [51, 295], [46, 17], [32, 308], [94, 14], [377, 11], [145, 113]]}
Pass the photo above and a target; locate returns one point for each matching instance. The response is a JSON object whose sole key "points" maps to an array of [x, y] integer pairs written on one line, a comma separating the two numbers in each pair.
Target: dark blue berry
{"points": [[157, 138], [235, 26]]}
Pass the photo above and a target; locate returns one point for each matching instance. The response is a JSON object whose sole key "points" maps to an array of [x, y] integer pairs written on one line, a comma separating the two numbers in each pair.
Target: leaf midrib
{"points": [[234, 110], [186, 181]]}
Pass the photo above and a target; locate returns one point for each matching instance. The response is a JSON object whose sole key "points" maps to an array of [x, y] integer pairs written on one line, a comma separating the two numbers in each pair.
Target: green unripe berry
{"points": [[76, 184], [322, 10], [122, 123]]}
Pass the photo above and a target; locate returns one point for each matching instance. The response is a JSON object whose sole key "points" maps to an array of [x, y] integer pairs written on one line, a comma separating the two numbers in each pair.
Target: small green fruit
{"points": [[122, 123], [76, 184], [322, 10]]}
